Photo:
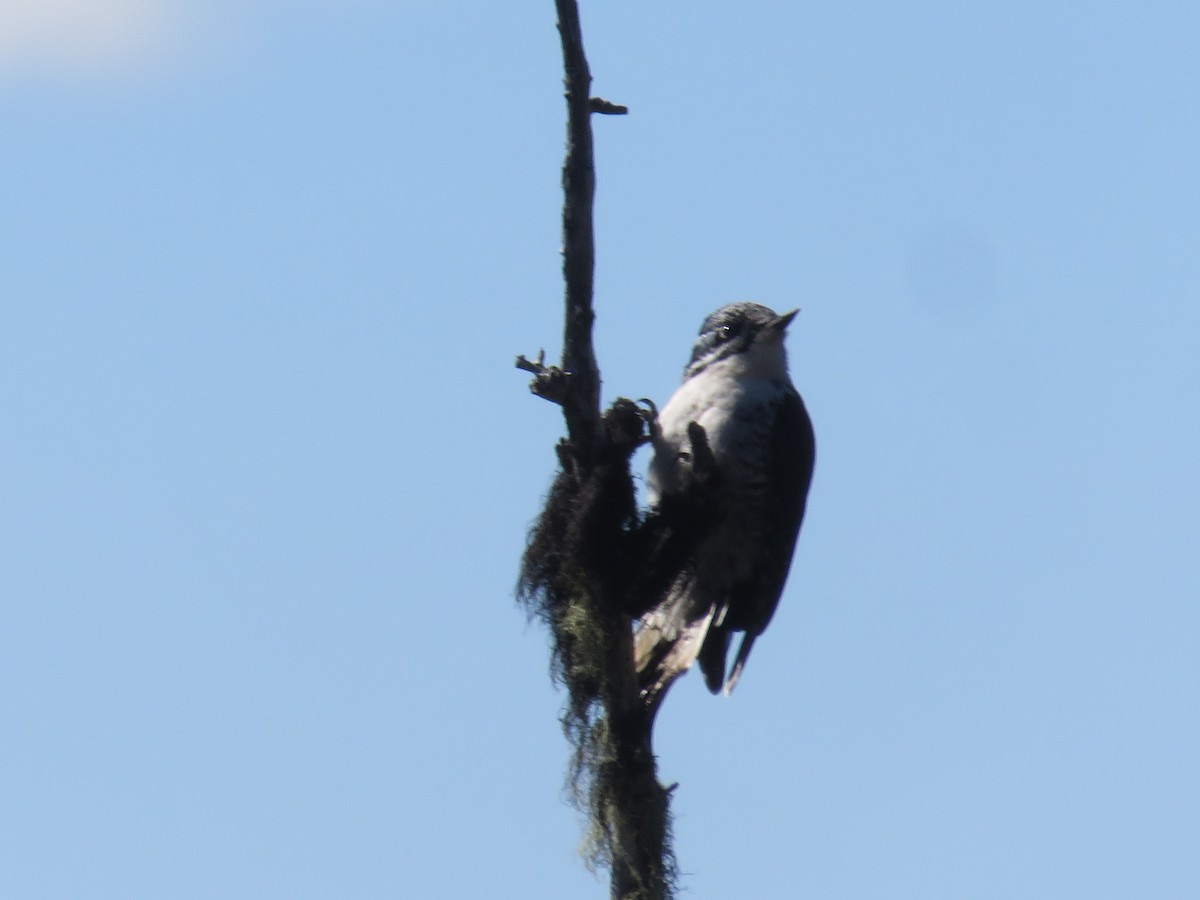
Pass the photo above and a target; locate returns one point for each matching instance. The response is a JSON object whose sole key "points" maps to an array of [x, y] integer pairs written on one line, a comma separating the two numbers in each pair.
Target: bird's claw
{"points": [[650, 416], [650, 413]]}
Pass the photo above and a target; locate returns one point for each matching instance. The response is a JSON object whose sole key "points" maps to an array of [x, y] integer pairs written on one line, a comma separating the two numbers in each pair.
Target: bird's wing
{"points": [[690, 624], [789, 473]]}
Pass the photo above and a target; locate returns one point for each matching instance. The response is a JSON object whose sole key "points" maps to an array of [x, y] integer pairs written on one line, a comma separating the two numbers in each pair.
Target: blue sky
{"points": [[267, 468]]}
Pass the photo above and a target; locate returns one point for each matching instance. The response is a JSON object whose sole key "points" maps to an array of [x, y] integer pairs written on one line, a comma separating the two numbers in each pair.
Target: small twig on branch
{"points": [[550, 382], [607, 107], [537, 368]]}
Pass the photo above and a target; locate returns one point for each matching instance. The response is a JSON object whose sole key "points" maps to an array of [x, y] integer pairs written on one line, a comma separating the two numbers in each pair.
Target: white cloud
{"points": [[80, 39], [53, 35]]}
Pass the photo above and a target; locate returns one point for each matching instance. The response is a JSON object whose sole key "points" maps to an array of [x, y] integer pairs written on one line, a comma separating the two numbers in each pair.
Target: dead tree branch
{"points": [[582, 408], [576, 572]]}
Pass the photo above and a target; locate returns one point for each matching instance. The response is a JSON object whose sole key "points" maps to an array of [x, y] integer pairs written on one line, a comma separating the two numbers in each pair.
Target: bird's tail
{"points": [[665, 646], [739, 663]]}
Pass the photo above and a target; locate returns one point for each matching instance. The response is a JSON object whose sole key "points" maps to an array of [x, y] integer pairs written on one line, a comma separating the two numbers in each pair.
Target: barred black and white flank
{"points": [[732, 570]]}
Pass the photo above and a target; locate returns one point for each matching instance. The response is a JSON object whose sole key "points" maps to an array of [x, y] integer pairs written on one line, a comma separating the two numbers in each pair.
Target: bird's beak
{"points": [[782, 322]]}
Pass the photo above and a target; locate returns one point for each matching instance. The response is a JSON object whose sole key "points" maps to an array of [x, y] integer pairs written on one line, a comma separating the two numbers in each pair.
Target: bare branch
{"points": [[537, 368], [607, 107], [582, 405], [576, 573]]}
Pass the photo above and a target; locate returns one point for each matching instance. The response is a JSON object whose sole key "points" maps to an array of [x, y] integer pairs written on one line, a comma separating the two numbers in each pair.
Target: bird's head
{"points": [[747, 334]]}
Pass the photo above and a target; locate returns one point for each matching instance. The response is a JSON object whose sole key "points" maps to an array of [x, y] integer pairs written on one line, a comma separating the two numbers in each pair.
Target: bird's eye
{"points": [[725, 332]]}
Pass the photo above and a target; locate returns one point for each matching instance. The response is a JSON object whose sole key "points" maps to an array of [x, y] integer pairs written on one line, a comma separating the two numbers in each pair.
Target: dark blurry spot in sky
{"points": [[951, 271]]}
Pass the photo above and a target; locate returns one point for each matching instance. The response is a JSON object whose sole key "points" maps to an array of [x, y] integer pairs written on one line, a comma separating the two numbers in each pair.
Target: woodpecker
{"points": [[761, 450]]}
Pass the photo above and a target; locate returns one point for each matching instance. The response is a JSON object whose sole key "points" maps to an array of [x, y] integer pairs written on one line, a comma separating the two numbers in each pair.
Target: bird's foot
{"points": [[650, 416], [625, 425]]}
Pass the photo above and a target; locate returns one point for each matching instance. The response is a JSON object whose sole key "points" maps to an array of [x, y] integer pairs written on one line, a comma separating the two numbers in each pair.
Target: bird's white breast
{"points": [[713, 398]]}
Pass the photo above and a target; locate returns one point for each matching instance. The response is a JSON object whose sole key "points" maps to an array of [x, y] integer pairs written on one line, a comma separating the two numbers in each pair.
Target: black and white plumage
{"points": [[730, 572]]}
